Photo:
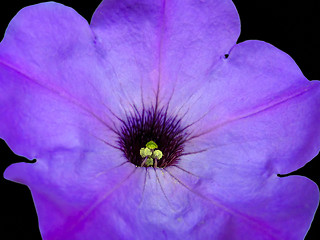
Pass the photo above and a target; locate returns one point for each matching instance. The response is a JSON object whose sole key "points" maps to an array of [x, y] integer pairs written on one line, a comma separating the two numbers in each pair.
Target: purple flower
{"points": [[86, 102]]}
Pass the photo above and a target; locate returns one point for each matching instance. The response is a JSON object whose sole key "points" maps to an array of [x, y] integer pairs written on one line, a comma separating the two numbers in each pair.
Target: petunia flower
{"points": [[152, 123]]}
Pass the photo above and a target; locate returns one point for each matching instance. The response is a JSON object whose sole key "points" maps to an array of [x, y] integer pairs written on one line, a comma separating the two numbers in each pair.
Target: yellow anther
{"points": [[149, 162], [145, 152], [151, 145], [157, 154]]}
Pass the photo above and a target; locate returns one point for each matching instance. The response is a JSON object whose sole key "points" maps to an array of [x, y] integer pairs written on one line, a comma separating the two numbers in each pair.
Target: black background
{"points": [[292, 26]]}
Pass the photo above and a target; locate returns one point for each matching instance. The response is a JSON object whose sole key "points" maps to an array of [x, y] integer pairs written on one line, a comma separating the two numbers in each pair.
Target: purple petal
{"points": [[69, 198], [245, 206], [163, 47], [51, 109], [265, 123], [242, 203], [268, 112], [51, 77]]}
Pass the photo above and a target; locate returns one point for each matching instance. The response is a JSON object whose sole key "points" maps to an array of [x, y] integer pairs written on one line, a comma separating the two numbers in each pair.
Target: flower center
{"points": [[152, 138]]}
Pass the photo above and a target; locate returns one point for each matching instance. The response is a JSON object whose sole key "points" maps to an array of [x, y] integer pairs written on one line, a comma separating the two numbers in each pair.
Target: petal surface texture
{"points": [[65, 85], [163, 47]]}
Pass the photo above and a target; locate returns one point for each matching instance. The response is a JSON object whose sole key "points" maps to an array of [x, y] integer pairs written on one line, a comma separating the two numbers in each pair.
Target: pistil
{"points": [[150, 155]]}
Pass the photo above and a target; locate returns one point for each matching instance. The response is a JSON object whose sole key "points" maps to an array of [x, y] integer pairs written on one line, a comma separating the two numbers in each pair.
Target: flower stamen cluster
{"points": [[150, 154]]}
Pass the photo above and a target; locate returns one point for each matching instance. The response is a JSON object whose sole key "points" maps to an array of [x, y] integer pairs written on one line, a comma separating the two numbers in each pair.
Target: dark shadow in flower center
{"points": [[156, 125]]}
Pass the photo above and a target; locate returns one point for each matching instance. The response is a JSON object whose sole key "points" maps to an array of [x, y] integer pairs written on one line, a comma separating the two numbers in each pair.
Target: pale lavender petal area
{"points": [[238, 203], [268, 115], [53, 101], [65, 88], [163, 47], [50, 49], [265, 124]]}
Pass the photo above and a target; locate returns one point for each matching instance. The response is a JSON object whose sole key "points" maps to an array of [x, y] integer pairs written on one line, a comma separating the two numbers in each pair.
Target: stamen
{"points": [[151, 145], [149, 154]]}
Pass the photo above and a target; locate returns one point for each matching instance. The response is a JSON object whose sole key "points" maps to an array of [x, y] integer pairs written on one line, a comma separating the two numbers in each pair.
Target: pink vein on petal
{"points": [[63, 94], [160, 48], [259, 109], [162, 190], [97, 203], [265, 228]]}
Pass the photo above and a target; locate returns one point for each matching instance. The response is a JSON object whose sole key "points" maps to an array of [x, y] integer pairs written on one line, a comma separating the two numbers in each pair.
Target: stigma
{"points": [[150, 155]]}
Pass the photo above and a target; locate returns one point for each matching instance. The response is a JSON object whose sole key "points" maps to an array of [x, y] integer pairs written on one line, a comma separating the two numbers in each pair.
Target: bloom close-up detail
{"points": [[152, 122]]}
